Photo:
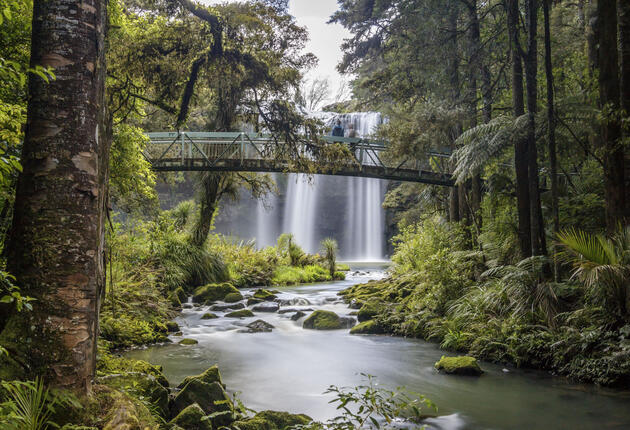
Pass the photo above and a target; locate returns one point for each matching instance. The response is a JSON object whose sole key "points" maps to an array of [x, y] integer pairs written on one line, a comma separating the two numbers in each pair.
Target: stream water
{"points": [[291, 367]]}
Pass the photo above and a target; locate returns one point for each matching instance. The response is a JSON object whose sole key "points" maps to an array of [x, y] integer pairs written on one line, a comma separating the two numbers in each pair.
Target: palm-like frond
{"points": [[601, 264], [480, 144]]}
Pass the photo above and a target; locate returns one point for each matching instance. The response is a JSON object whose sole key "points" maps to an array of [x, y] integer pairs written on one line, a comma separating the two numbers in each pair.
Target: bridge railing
{"points": [[264, 152]]}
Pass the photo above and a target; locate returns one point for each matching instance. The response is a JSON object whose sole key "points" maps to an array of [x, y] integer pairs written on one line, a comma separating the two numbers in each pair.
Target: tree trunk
{"points": [[609, 101], [209, 193], [551, 131], [531, 71], [56, 245], [474, 69], [520, 146], [623, 13]]}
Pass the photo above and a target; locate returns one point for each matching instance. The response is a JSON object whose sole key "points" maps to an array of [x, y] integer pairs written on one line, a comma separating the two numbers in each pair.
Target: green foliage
{"points": [[290, 275], [481, 303], [31, 405], [131, 181], [370, 406], [602, 265], [329, 249]]}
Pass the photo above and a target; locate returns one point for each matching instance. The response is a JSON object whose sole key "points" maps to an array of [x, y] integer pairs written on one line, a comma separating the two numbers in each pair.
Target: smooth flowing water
{"points": [[289, 369]]}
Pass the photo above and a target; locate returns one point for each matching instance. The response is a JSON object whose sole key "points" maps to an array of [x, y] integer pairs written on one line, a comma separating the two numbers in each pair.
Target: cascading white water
{"points": [[300, 211], [360, 231]]}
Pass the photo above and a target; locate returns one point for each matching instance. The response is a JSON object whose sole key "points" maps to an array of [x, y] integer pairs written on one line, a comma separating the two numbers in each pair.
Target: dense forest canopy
{"points": [[524, 260]]}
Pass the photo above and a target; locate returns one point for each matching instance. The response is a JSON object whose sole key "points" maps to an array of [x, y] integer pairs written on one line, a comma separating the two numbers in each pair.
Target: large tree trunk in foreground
{"points": [[56, 244], [520, 146], [623, 15], [609, 101]]}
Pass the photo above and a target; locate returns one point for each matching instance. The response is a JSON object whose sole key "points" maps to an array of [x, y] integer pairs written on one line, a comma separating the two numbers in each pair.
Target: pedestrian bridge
{"points": [[256, 152]]}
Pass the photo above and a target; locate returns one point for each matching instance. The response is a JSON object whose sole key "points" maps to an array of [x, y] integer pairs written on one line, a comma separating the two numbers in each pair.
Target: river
{"points": [[291, 367]]}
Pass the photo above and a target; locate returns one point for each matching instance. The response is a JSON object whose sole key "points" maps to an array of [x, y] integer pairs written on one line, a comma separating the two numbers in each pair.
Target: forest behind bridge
{"points": [[524, 262]]}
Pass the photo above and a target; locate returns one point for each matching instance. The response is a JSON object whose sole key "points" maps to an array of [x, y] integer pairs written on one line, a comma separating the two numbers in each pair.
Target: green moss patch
{"points": [[272, 420], [213, 292], [367, 327], [188, 342], [463, 365], [233, 297], [326, 320], [192, 418], [243, 313], [209, 316]]}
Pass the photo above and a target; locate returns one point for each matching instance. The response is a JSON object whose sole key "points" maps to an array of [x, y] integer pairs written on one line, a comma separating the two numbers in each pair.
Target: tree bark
{"points": [[56, 245], [475, 70], [609, 91], [520, 146], [531, 75], [623, 14], [551, 131]]}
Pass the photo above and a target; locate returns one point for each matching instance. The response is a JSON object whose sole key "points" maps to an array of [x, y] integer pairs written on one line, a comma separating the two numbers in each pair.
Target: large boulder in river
{"points": [[272, 420], [463, 365], [327, 320], [191, 418], [211, 397], [213, 292]]}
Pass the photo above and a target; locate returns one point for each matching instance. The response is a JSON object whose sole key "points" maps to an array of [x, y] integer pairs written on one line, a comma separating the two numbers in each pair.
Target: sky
{"points": [[325, 39]]}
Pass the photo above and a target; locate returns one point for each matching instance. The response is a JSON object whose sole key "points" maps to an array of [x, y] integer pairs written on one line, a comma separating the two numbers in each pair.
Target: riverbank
{"points": [[290, 368], [497, 311]]}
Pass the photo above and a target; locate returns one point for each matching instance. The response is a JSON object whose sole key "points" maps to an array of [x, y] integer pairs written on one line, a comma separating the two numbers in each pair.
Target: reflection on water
{"points": [[290, 368]]}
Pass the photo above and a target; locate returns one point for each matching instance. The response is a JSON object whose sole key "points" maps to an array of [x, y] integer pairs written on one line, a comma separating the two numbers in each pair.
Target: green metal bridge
{"points": [[255, 152]]}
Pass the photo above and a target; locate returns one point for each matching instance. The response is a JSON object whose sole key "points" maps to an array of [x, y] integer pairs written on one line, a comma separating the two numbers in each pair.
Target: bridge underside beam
{"points": [[265, 166]]}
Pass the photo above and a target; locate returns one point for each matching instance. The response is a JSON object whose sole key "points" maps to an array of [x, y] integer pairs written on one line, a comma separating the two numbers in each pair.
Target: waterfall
{"points": [[267, 220], [345, 208], [301, 210]]}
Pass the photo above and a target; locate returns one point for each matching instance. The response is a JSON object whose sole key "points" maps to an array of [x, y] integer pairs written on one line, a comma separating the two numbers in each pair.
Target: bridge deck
{"points": [[253, 152]]}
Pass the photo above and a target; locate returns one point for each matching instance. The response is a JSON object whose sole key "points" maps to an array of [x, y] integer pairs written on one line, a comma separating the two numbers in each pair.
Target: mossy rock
{"points": [[211, 375], [326, 320], [212, 398], [367, 327], [264, 295], [463, 365], [233, 298], [140, 385], [174, 300], [125, 412], [209, 316], [339, 276], [181, 294], [272, 420], [188, 341], [213, 292], [191, 418], [369, 310], [77, 427], [109, 364], [172, 326], [243, 313]]}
